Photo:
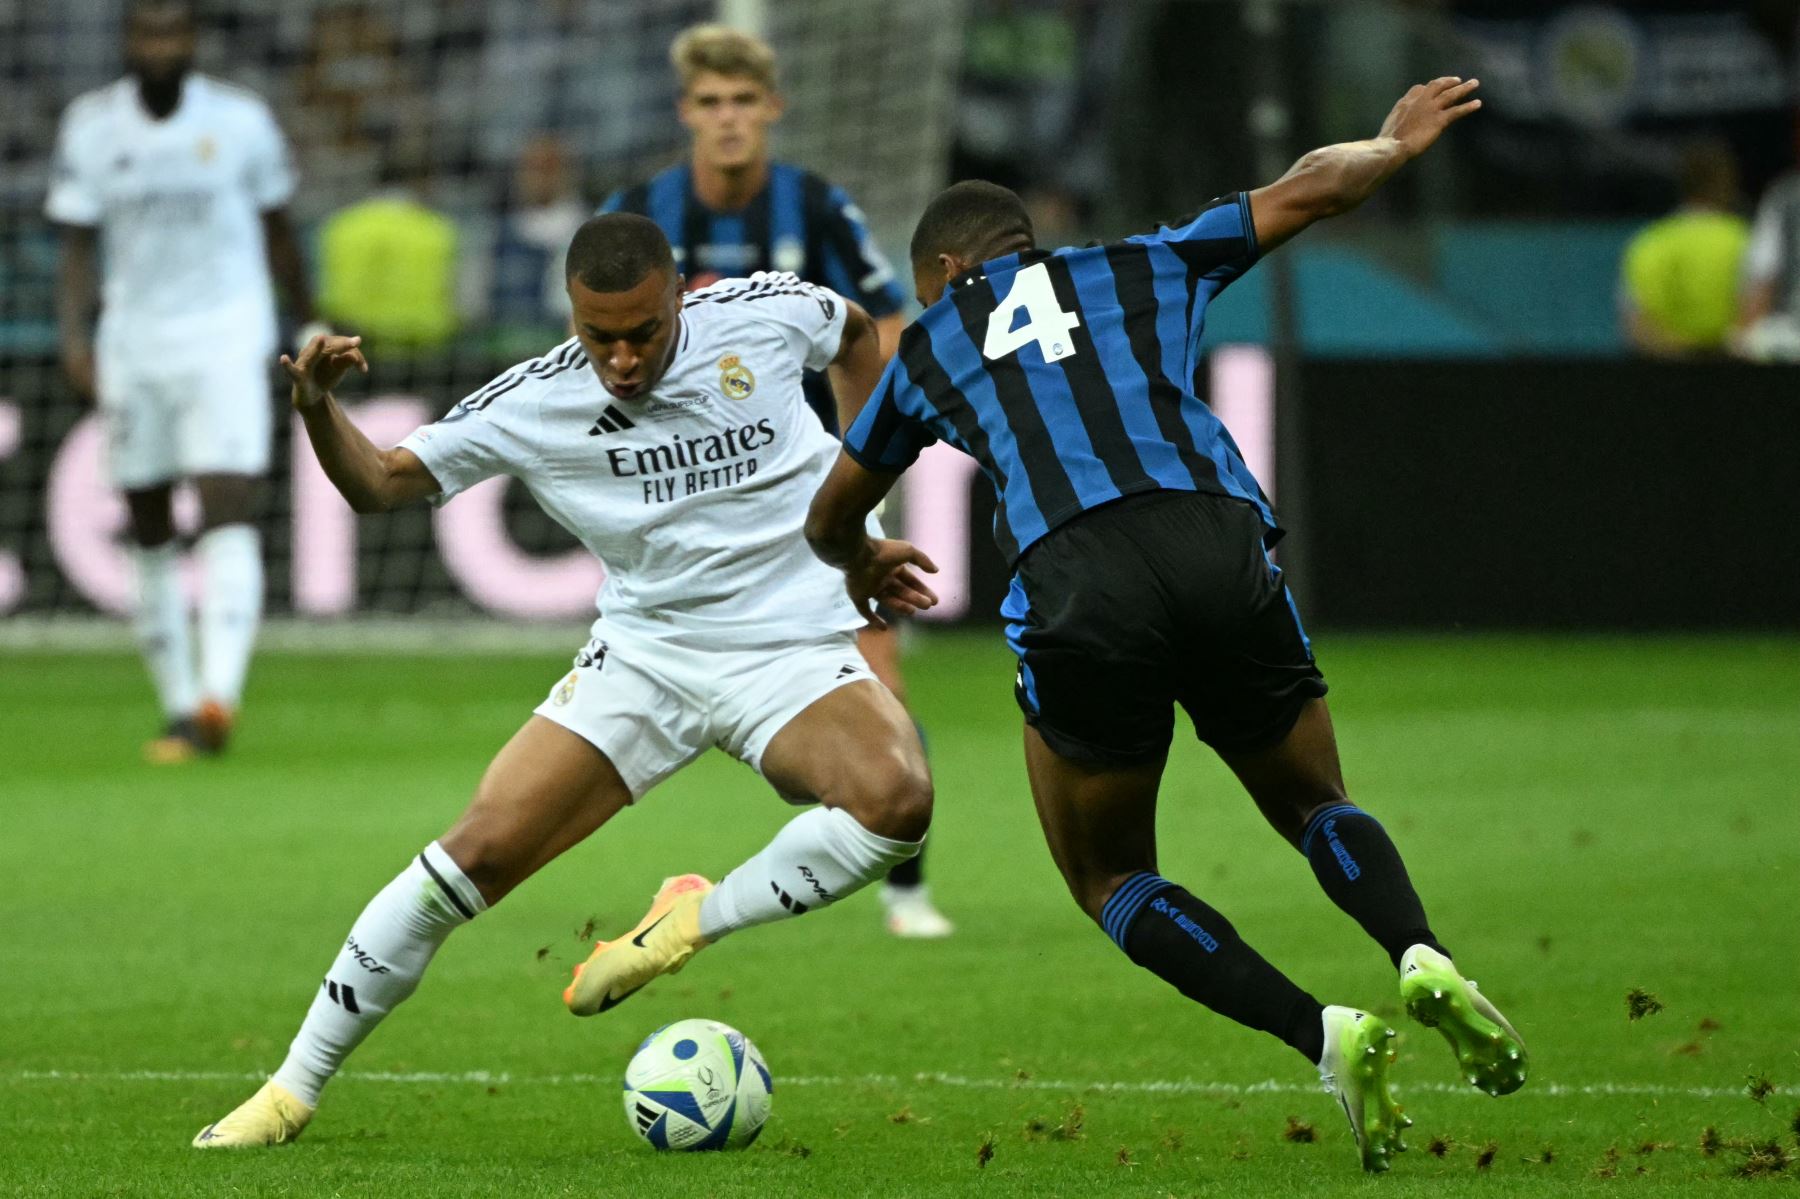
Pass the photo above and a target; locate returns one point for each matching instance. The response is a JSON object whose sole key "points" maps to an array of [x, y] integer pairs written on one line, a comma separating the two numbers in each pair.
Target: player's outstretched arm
{"points": [[876, 570], [373, 480], [1332, 180]]}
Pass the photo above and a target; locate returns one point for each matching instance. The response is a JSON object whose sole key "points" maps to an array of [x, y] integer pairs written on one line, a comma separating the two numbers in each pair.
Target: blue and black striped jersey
{"points": [[1068, 376], [798, 223]]}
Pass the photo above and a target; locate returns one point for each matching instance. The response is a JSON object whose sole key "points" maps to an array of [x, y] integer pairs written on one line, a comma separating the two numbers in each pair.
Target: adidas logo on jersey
{"points": [[611, 421]]}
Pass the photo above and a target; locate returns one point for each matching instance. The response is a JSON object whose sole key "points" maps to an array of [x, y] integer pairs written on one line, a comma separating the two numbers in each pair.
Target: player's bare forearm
{"points": [[876, 571], [369, 478], [1333, 180], [286, 266], [857, 368], [837, 524], [77, 292]]}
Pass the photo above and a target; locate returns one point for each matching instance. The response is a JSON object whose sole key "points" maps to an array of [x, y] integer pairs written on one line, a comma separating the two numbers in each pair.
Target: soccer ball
{"points": [[697, 1084]]}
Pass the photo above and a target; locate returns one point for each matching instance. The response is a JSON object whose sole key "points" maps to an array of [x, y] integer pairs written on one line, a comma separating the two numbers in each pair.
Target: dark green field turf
{"points": [[1584, 817]]}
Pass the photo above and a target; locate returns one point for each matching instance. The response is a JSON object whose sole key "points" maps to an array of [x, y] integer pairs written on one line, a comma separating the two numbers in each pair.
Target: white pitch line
{"points": [[1174, 1086]]}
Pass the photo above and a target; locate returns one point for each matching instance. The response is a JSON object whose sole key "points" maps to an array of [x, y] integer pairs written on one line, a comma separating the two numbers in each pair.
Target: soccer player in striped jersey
{"points": [[731, 209], [1139, 542]]}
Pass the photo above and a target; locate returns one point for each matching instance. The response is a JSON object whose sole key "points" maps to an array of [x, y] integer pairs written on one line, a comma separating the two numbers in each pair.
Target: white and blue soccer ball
{"points": [[697, 1084]]}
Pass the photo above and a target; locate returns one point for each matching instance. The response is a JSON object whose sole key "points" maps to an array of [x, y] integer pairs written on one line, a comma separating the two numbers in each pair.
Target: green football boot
{"points": [[1354, 1070], [1489, 1052]]}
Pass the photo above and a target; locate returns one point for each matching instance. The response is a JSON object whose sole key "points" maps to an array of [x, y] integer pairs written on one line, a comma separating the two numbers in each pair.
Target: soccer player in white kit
{"points": [[181, 182], [672, 437]]}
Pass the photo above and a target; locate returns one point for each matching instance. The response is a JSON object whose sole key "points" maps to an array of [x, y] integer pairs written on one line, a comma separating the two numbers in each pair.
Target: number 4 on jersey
{"points": [[1046, 321]]}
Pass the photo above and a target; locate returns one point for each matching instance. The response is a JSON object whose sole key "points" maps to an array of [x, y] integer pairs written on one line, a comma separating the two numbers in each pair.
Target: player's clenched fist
{"points": [[1427, 109], [322, 365]]}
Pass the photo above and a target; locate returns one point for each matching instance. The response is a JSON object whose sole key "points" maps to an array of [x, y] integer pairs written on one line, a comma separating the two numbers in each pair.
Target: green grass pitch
{"points": [[1584, 817]]}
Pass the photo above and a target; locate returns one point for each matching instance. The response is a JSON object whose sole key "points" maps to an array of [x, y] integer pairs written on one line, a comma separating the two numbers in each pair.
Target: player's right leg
{"points": [[1100, 822], [160, 622], [545, 791], [137, 411]]}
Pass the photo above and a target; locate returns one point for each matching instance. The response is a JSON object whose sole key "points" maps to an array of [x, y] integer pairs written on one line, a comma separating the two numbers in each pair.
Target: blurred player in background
{"points": [[1142, 581], [178, 183], [731, 210], [671, 437]]}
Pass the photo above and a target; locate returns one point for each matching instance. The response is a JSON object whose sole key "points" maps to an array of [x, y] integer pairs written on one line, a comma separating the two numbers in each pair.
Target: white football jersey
{"points": [[179, 204], [693, 494]]}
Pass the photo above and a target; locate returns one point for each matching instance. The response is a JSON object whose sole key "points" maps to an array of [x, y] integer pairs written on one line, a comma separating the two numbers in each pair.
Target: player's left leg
{"points": [[821, 729], [1298, 784], [904, 896], [230, 552], [814, 722]]}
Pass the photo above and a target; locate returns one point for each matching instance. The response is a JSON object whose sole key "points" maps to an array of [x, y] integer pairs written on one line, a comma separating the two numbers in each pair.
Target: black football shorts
{"points": [[1158, 599]]}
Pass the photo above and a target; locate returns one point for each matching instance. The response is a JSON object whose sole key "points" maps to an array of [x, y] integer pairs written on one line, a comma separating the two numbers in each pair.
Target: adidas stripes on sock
{"points": [[230, 607], [161, 625], [380, 964], [818, 858], [1361, 871], [1166, 930]]}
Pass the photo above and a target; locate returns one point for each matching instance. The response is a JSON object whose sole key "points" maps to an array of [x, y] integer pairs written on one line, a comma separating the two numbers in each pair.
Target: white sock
{"points": [[380, 964], [230, 606], [818, 858], [161, 625]]}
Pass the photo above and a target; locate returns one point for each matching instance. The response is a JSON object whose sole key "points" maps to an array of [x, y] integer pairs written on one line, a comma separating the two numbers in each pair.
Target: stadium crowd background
{"points": [[471, 135]]}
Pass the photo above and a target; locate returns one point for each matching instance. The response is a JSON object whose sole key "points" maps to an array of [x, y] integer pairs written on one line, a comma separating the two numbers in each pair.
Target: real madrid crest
{"points": [[207, 149], [735, 379], [566, 691]]}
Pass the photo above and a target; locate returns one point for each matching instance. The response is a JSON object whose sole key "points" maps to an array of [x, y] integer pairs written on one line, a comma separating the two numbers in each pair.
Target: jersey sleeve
{"points": [[74, 198], [884, 438], [490, 433], [810, 315], [854, 264], [1220, 243], [268, 167]]}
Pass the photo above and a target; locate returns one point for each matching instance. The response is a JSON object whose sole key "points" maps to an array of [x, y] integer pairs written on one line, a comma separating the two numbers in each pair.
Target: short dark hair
{"points": [[615, 250], [970, 218]]}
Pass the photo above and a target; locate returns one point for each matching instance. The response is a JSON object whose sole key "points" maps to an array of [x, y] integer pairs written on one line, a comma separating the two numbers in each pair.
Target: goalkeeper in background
{"points": [[731, 210], [175, 186]]}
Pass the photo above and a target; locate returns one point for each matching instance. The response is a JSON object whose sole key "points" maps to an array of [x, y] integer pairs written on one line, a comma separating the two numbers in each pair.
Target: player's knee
{"points": [[1091, 887], [894, 800], [489, 862]]}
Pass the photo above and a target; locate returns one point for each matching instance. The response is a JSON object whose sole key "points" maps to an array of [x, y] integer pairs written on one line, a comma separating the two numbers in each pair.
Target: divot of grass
{"points": [[1640, 1003], [1299, 1132], [1071, 1127], [984, 1153]]}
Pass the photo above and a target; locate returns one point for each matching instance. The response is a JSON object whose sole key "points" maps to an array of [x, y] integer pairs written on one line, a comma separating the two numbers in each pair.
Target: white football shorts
{"points": [[182, 416], [652, 708]]}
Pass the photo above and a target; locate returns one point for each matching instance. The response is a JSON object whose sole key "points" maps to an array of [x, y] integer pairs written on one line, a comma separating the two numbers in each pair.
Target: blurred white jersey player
{"points": [[178, 184], [671, 435]]}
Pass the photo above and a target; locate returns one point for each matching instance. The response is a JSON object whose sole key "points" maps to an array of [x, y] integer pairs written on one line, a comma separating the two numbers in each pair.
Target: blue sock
{"points": [[1187, 944], [1359, 868]]}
